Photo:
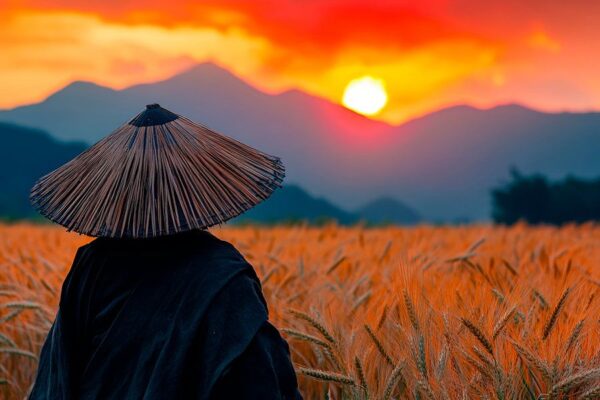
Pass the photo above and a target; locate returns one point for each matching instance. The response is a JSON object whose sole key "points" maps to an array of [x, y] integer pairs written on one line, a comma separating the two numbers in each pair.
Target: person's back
{"points": [[176, 317], [157, 307]]}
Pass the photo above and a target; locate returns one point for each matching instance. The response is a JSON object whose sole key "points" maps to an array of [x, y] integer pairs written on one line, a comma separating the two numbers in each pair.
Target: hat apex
{"points": [[154, 114]]}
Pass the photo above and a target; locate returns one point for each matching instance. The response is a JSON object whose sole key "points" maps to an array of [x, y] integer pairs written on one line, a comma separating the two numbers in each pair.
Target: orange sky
{"points": [[430, 53]]}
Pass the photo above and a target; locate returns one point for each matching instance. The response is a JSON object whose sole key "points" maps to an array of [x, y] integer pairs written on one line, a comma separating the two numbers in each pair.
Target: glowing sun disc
{"points": [[365, 95]]}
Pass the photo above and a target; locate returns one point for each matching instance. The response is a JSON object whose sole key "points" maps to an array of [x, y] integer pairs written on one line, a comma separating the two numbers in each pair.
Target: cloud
{"points": [[430, 53], [539, 39], [307, 27], [44, 51]]}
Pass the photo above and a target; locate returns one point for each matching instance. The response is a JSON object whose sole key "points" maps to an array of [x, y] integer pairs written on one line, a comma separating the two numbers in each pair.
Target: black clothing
{"points": [[176, 317]]}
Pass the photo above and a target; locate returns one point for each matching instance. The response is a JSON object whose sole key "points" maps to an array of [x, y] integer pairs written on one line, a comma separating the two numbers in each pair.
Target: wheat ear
{"points": [[361, 374], [316, 324], [574, 380], [327, 376], [19, 352], [305, 337], [479, 335], [592, 394], [426, 389], [410, 308], [379, 346], [539, 364], [502, 322], [392, 380], [552, 321], [575, 335], [421, 359]]}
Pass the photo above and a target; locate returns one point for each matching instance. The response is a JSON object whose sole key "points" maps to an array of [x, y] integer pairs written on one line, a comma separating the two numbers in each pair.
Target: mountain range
{"points": [[27, 154], [443, 164]]}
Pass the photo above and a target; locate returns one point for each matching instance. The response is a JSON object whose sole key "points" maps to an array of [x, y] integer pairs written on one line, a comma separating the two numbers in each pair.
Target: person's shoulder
{"points": [[215, 248], [78, 270], [81, 253], [196, 247], [88, 246], [92, 245], [195, 254], [218, 264]]}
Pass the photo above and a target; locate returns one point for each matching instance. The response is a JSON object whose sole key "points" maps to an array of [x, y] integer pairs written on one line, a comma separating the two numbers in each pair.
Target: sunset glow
{"points": [[365, 95], [430, 54]]}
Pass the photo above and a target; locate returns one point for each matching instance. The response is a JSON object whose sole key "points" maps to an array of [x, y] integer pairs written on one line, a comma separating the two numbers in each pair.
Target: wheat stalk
{"points": [[539, 364], [379, 346], [327, 376], [7, 340], [483, 357], [316, 324], [421, 357], [541, 299], [573, 381], [18, 352], [393, 379], [305, 337], [25, 305], [385, 252], [410, 308], [554, 316], [361, 300], [333, 358], [479, 335], [335, 265], [382, 317], [509, 267], [361, 375], [425, 388], [442, 361], [8, 317], [478, 366], [502, 322], [592, 394], [575, 335]]}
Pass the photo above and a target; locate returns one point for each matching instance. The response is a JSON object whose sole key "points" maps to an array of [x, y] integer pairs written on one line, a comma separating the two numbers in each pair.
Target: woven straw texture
{"points": [[159, 174]]}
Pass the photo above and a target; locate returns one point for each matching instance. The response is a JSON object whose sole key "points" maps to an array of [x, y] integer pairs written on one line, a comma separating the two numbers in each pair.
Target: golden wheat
{"points": [[462, 312]]}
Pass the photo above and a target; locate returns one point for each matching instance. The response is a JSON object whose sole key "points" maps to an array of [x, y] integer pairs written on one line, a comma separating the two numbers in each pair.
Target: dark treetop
{"points": [[176, 317]]}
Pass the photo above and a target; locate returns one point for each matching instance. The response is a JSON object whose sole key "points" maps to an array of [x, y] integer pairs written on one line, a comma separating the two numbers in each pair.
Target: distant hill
{"points": [[444, 163], [386, 210], [25, 155], [292, 204]]}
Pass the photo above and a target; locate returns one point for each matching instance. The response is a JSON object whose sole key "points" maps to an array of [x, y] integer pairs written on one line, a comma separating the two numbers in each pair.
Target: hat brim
{"points": [[149, 180]]}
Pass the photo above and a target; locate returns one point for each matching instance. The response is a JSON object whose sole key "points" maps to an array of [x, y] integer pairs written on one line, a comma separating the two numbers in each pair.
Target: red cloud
{"points": [[309, 26]]}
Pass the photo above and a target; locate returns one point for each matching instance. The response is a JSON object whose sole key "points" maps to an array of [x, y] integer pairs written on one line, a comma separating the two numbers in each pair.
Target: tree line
{"points": [[535, 199]]}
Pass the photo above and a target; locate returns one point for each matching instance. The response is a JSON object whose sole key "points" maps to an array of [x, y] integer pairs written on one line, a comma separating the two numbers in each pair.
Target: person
{"points": [[156, 307]]}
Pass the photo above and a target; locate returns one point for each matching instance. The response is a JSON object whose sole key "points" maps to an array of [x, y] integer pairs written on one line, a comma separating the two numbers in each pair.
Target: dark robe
{"points": [[176, 317]]}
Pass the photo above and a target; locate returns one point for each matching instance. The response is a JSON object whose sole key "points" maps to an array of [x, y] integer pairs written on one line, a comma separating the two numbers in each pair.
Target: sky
{"points": [[429, 53]]}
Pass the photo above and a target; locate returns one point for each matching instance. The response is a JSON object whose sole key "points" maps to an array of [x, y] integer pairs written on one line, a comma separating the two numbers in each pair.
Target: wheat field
{"points": [[473, 312]]}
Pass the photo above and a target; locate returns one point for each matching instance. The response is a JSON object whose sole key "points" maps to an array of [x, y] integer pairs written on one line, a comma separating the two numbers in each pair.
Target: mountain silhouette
{"points": [[25, 155], [291, 203], [444, 163], [387, 210]]}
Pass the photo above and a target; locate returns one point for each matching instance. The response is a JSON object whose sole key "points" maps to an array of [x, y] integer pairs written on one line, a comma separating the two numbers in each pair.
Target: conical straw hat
{"points": [[159, 174]]}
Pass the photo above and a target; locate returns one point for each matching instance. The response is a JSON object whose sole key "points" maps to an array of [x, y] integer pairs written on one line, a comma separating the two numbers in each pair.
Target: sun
{"points": [[365, 95]]}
